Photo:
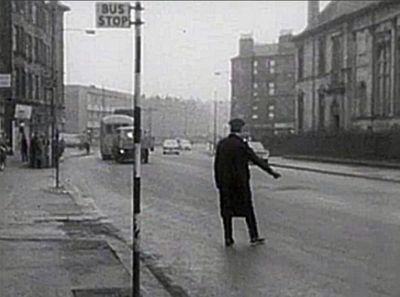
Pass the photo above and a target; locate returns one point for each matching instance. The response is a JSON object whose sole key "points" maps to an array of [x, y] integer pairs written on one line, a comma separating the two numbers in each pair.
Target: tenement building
{"points": [[348, 67], [31, 56], [263, 86]]}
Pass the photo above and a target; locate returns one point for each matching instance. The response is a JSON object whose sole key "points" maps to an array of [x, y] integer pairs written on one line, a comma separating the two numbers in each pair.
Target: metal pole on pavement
{"points": [[137, 136], [215, 121], [54, 130]]}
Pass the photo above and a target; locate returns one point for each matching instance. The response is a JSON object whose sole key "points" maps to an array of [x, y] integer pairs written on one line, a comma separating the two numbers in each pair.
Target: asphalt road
{"points": [[327, 235]]}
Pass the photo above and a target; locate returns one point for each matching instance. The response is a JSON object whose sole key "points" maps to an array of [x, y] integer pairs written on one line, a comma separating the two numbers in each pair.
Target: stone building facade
{"points": [[348, 67], [263, 86], [85, 106], [162, 117], [31, 51]]}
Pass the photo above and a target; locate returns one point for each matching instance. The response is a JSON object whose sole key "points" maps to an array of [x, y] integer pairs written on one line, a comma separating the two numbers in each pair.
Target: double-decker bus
{"points": [[109, 131]]}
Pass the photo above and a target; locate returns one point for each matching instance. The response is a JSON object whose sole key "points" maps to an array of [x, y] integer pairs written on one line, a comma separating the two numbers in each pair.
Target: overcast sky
{"points": [[184, 43]]}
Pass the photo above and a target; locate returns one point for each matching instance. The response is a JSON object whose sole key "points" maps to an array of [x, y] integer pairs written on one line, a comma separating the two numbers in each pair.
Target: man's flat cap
{"points": [[236, 123]]}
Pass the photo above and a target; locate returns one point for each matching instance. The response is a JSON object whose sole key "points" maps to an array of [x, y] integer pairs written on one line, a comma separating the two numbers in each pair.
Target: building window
{"points": [[383, 71], [271, 88], [36, 50], [37, 82], [321, 111], [28, 48], [28, 93], [255, 85], [19, 5], [272, 66], [255, 64], [29, 10], [18, 40], [321, 55], [14, 38], [361, 95], [17, 82], [254, 117], [34, 13], [397, 70], [255, 107], [23, 83], [300, 112], [300, 61], [337, 55]]}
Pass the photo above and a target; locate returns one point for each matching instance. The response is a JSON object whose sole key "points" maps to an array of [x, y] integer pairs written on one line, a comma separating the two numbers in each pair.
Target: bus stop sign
{"points": [[113, 15]]}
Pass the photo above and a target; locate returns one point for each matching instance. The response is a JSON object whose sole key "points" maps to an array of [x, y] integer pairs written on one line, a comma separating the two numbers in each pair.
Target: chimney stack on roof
{"points": [[313, 11], [246, 45]]}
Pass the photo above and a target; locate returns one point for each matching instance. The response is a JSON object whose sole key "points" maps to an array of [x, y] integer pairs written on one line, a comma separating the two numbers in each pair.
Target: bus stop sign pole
{"points": [[137, 136]]}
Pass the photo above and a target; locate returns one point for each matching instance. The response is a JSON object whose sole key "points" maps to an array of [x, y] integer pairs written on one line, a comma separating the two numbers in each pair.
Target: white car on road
{"points": [[170, 146]]}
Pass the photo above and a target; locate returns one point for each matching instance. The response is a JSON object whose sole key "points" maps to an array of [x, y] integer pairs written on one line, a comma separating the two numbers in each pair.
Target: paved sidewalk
{"points": [[373, 170], [336, 167], [54, 246]]}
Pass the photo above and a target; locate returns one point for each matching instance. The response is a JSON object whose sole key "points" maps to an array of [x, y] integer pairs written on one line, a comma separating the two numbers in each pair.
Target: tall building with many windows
{"points": [[263, 86], [31, 53], [348, 62]]}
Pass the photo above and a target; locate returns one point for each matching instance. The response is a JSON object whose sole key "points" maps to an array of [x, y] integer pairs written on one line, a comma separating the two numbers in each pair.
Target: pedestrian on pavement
{"points": [[3, 152], [24, 148], [35, 151], [145, 148], [232, 177]]}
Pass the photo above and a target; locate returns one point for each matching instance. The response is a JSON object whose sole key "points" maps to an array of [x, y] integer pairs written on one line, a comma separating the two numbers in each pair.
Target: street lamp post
{"points": [[215, 121]]}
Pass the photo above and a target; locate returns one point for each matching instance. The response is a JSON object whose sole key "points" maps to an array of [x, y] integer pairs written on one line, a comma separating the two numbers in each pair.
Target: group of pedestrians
{"points": [[35, 151]]}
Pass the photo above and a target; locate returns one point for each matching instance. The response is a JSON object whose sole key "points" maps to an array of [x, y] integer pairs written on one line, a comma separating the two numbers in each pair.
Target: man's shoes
{"points": [[257, 241], [229, 242]]}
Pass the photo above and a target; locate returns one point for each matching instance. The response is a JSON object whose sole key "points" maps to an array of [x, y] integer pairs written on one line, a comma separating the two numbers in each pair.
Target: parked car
{"points": [[185, 145], [259, 149], [170, 146]]}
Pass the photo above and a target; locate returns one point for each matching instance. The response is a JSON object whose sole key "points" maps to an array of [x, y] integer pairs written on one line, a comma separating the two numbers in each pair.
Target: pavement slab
{"points": [[52, 244]]}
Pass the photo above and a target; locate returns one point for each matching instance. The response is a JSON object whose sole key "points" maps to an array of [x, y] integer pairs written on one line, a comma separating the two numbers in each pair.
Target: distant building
{"points": [[85, 106], [184, 118], [31, 51], [348, 67], [263, 85]]}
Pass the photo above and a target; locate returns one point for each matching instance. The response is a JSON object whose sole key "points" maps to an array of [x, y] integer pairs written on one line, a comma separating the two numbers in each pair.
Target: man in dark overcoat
{"points": [[232, 177]]}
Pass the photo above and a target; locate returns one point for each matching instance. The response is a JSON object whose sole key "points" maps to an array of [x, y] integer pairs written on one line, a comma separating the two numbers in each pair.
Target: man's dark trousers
{"points": [[227, 213]]}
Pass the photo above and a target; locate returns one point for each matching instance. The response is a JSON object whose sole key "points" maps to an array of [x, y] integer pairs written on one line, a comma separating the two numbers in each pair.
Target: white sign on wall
{"points": [[113, 15], [23, 112], [5, 80]]}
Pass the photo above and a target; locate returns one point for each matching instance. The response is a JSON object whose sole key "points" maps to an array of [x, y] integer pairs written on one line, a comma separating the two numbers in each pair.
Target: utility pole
{"points": [[185, 132], [54, 131], [215, 121], [137, 137]]}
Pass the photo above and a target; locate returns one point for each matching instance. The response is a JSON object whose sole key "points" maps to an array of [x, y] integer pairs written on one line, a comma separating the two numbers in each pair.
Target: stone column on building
{"points": [[373, 75], [393, 65]]}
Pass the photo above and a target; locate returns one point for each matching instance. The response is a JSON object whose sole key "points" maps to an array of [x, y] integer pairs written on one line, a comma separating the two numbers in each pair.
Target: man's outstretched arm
{"points": [[261, 163]]}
